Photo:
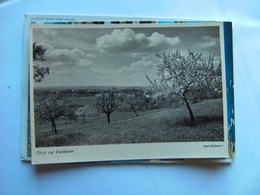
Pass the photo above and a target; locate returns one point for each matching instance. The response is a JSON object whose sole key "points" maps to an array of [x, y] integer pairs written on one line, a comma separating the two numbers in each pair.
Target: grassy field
{"points": [[168, 125]]}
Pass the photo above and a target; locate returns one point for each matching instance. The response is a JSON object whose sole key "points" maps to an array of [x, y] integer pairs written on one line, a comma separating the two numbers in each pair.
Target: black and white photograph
{"points": [[126, 85]]}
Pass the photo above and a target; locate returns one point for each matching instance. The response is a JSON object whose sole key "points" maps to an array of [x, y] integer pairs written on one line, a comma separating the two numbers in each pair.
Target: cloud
{"points": [[84, 63], [147, 64], [40, 34], [144, 65], [208, 41], [157, 39], [57, 64], [68, 59], [127, 40], [90, 55], [46, 31], [101, 70], [65, 55]]}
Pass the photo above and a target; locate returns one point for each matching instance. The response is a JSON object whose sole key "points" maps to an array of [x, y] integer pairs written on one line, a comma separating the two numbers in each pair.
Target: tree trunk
{"points": [[53, 126], [192, 118], [75, 119], [108, 118], [97, 113], [134, 111]]}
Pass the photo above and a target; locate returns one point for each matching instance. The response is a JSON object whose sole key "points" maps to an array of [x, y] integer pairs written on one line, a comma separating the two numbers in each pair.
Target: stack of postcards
{"points": [[118, 89]]}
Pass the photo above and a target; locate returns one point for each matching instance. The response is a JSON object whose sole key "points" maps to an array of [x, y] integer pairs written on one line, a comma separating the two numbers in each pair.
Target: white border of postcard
{"points": [[144, 151]]}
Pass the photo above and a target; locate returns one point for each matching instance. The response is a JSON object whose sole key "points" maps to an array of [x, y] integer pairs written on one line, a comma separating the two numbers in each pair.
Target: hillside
{"points": [[167, 125]]}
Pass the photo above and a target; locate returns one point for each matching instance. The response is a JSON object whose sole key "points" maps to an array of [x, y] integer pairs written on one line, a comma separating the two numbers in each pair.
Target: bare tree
{"points": [[108, 103], [39, 72], [180, 74]]}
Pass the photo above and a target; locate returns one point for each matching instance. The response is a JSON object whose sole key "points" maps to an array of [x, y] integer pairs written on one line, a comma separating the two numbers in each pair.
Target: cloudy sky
{"points": [[116, 56]]}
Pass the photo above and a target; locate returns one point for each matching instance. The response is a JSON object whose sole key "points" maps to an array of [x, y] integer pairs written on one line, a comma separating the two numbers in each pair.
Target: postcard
{"points": [[110, 91]]}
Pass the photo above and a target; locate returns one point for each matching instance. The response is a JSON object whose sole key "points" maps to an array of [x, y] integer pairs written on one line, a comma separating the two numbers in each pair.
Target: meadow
{"points": [[152, 126]]}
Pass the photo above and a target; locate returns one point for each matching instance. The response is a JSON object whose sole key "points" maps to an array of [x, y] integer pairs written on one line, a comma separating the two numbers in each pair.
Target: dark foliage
{"points": [[39, 72]]}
